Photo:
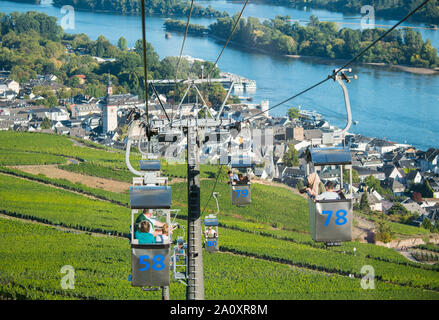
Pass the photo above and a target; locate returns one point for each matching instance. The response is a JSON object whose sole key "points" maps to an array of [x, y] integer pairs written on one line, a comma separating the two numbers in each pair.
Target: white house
{"points": [[358, 142], [9, 85], [80, 110], [8, 95], [392, 172], [382, 146], [413, 177], [57, 114], [373, 198], [413, 207], [429, 161]]}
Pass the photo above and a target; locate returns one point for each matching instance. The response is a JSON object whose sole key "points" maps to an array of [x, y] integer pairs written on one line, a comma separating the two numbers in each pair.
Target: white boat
{"points": [[238, 86], [250, 85]]}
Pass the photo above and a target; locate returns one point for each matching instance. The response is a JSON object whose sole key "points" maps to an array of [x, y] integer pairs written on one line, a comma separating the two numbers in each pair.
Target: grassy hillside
{"points": [[266, 250]]}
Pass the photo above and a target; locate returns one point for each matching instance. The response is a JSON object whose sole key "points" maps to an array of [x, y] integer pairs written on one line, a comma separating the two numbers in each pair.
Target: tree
{"points": [[300, 185], [291, 157], [293, 113], [46, 124], [417, 197], [384, 232], [313, 21], [364, 203], [372, 182], [423, 188], [429, 193], [355, 176], [426, 224], [398, 209], [50, 101], [151, 56], [122, 44]]}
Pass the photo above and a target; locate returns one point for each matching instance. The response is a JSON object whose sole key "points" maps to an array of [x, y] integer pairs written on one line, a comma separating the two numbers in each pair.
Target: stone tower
{"points": [[109, 119]]}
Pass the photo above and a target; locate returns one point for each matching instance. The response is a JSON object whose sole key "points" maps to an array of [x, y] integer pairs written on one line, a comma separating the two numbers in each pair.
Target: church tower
{"points": [[109, 119]]}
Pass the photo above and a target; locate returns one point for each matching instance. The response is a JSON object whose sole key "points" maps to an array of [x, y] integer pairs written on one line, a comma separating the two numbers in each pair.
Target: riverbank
{"points": [[415, 70], [179, 8]]}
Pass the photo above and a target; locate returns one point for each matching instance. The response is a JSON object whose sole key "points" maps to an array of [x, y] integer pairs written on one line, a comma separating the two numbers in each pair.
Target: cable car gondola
{"points": [[330, 220], [211, 233], [150, 263], [241, 192], [179, 260]]}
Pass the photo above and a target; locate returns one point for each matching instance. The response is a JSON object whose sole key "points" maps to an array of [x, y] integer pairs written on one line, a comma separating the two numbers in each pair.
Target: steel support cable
{"points": [[145, 69], [222, 50], [228, 39], [213, 189], [332, 76], [181, 52], [160, 101]]}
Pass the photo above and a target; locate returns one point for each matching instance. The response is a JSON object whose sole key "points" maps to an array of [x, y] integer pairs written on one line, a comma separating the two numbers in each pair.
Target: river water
{"points": [[400, 106]]}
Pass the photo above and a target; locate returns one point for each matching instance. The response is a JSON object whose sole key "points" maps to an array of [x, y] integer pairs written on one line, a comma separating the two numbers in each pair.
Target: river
{"points": [[400, 106]]}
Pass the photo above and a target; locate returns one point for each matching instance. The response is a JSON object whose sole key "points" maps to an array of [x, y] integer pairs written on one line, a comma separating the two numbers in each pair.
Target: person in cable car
{"points": [[242, 179], [210, 233], [313, 188], [233, 177], [143, 234], [164, 236], [329, 194], [146, 215]]}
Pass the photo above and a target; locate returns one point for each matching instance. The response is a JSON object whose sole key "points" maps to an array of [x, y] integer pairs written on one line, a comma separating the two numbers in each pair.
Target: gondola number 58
{"points": [[340, 217], [157, 265]]}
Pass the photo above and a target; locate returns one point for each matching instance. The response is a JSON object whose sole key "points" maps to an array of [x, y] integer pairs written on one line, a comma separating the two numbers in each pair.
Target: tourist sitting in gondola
{"points": [[329, 194], [242, 179], [143, 234], [233, 178], [210, 233], [313, 185], [164, 236], [146, 215]]}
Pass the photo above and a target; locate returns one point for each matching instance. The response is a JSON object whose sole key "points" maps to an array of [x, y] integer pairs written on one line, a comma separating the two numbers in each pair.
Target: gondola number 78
{"points": [[340, 217]]}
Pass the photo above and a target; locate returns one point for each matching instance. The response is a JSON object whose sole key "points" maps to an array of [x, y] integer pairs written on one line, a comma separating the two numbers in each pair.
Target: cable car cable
{"points": [[184, 40], [160, 101], [181, 52], [213, 189], [347, 64], [228, 39], [219, 56], [145, 69]]}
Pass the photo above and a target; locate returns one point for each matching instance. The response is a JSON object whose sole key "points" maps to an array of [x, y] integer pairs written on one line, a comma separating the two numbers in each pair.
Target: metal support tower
{"points": [[195, 284]]}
